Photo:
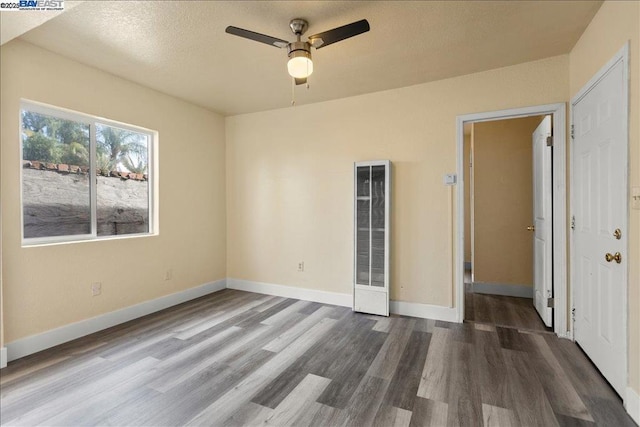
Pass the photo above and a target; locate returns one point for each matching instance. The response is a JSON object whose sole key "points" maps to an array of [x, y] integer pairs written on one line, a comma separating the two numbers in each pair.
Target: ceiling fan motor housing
{"points": [[298, 26], [299, 49]]}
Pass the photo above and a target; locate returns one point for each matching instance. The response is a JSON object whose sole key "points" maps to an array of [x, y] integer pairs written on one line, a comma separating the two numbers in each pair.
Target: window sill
{"points": [[38, 243]]}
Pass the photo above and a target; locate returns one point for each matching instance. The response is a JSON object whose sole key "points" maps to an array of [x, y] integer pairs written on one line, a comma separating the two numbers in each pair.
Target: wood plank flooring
{"points": [[501, 310], [237, 358]]}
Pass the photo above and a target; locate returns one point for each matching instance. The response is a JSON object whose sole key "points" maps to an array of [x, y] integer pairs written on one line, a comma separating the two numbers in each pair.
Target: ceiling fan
{"points": [[300, 65]]}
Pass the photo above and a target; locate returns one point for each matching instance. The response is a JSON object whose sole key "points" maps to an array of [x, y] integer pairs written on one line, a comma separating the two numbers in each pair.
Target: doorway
{"points": [[557, 113], [508, 222]]}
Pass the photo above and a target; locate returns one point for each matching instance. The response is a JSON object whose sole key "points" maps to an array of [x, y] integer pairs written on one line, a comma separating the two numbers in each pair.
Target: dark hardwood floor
{"points": [[238, 358]]}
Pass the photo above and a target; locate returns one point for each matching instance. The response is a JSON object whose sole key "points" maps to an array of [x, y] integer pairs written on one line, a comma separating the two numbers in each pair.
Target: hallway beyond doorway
{"points": [[500, 310]]}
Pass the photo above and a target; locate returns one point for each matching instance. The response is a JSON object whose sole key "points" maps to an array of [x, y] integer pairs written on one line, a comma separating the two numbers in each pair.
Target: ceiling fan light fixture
{"points": [[300, 65]]}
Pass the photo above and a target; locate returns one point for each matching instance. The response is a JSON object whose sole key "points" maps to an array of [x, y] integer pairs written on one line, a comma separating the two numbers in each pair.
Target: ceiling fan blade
{"points": [[262, 38], [338, 34], [300, 81]]}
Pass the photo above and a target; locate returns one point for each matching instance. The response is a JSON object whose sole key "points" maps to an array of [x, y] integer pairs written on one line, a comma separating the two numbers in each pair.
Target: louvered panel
{"points": [[362, 189], [362, 257], [371, 293], [377, 258]]}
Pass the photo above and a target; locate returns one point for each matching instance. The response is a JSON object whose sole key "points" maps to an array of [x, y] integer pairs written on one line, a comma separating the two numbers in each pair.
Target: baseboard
{"points": [[425, 311], [521, 291], [3, 357], [334, 298], [345, 300], [632, 404], [35, 343], [567, 335]]}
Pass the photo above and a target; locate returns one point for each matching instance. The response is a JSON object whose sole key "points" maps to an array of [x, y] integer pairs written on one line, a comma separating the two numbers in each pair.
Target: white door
{"points": [[542, 221], [600, 234]]}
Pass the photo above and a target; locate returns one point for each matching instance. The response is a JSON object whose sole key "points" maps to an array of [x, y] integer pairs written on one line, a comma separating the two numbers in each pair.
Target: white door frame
{"points": [[621, 55], [558, 113]]}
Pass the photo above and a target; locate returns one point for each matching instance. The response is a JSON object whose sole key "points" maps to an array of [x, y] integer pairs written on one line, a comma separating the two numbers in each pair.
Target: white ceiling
{"points": [[181, 48]]}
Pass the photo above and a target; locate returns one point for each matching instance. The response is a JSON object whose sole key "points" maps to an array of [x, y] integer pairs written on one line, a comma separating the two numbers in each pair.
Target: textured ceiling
{"points": [[181, 48]]}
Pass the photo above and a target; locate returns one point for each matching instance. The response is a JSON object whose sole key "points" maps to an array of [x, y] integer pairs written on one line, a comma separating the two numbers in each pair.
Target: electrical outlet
{"points": [[301, 266], [168, 275], [96, 289]]}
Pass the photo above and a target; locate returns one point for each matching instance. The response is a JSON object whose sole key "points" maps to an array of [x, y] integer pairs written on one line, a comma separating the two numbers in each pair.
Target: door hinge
{"points": [[551, 302], [573, 314], [549, 141], [572, 131], [573, 222]]}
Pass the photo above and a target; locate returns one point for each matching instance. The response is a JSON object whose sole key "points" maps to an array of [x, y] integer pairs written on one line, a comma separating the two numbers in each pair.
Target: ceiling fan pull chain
{"points": [[293, 92]]}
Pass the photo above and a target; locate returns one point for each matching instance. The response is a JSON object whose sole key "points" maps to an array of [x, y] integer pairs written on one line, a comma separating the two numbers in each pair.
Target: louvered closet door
{"points": [[371, 276]]}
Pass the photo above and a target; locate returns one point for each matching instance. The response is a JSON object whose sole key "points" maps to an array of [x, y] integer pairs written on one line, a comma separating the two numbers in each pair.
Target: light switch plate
{"points": [[450, 179]]}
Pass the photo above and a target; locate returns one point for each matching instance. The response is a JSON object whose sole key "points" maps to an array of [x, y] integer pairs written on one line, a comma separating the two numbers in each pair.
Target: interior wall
{"points": [[616, 23], [290, 179], [1, 258], [467, 197], [50, 286], [503, 201]]}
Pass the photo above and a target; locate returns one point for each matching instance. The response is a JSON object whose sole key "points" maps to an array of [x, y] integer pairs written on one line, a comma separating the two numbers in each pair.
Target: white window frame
{"points": [[92, 122]]}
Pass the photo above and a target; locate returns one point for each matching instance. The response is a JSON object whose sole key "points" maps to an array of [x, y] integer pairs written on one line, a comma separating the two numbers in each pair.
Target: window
{"points": [[61, 152]]}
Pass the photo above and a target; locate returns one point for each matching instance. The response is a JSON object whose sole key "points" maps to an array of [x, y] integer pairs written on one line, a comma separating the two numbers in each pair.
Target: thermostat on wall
{"points": [[450, 179]]}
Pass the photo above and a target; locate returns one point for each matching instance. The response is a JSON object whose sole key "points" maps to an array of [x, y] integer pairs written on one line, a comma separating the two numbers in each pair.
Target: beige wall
{"points": [[1, 258], [289, 179], [615, 23], [503, 201], [47, 287], [467, 197]]}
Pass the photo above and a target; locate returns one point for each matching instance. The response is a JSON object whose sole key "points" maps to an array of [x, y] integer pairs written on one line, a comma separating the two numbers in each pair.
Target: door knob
{"points": [[531, 228], [617, 257]]}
